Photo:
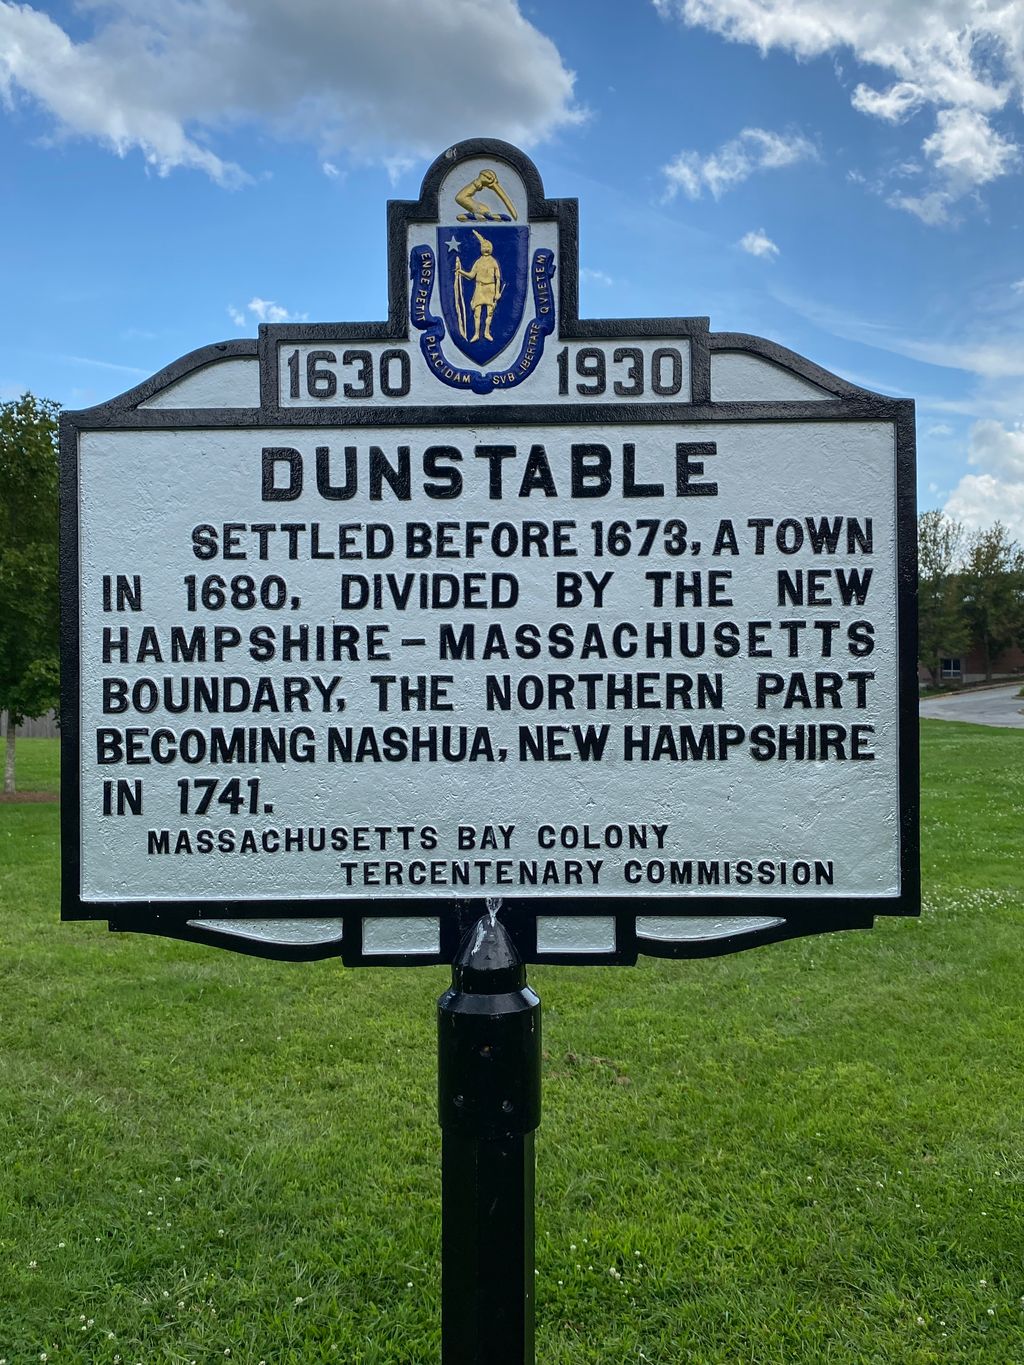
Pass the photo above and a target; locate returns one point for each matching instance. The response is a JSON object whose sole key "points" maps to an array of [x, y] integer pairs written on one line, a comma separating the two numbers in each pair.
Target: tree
{"points": [[941, 622], [29, 668], [993, 591]]}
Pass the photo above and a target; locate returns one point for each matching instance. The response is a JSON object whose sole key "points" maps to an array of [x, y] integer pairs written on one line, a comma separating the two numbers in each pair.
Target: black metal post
{"points": [[488, 1048]]}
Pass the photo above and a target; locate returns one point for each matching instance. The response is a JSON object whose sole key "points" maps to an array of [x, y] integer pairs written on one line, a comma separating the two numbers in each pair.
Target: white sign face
{"points": [[391, 638], [600, 659]]}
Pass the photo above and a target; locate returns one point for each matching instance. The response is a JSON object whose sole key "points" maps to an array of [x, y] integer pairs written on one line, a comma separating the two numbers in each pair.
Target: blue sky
{"points": [[845, 179]]}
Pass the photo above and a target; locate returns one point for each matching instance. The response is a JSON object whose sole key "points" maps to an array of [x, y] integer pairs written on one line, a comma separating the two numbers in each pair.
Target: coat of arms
{"points": [[482, 274]]}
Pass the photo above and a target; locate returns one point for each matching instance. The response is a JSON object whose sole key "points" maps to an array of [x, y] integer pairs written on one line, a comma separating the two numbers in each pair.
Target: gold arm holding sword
{"points": [[477, 209]]}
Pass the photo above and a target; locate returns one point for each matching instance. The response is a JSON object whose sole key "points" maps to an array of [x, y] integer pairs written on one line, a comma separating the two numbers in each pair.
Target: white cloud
{"points": [[893, 105], [1018, 286], [683, 173], [948, 48], [101, 364], [758, 243], [100, 90], [995, 358], [330, 170], [998, 448], [932, 208], [979, 500], [968, 152], [596, 277], [383, 81], [989, 355], [997, 493], [939, 429], [755, 149], [968, 149], [263, 310], [964, 58]]}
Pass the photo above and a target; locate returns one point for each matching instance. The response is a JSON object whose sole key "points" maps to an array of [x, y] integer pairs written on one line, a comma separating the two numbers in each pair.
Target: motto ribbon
{"points": [[422, 268]]}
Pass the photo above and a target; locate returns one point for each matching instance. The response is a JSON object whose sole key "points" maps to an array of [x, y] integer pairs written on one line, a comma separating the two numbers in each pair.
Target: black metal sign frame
{"points": [[842, 403]]}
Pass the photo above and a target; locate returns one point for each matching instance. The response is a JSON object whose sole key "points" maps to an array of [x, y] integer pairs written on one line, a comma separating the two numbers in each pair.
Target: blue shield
{"points": [[483, 273]]}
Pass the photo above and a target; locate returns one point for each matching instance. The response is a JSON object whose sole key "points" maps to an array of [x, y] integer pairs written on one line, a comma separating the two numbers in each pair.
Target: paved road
{"points": [[993, 706]]}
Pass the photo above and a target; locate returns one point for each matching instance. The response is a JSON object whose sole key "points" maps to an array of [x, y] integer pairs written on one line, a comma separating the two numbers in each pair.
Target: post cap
{"points": [[487, 962]]}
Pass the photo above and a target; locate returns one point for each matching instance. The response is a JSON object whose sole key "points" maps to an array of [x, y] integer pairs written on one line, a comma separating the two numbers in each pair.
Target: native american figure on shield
{"points": [[485, 272]]}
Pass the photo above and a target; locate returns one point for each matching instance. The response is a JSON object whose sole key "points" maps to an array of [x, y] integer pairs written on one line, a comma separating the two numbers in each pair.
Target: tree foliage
{"points": [[943, 630], [993, 591], [29, 668]]}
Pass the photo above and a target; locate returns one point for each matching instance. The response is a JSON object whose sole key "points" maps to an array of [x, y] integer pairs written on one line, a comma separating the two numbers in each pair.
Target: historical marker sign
{"points": [[612, 620]]}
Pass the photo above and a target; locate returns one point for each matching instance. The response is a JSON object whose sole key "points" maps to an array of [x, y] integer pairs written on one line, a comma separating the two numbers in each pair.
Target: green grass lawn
{"points": [[37, 764], [812, 1152]]}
